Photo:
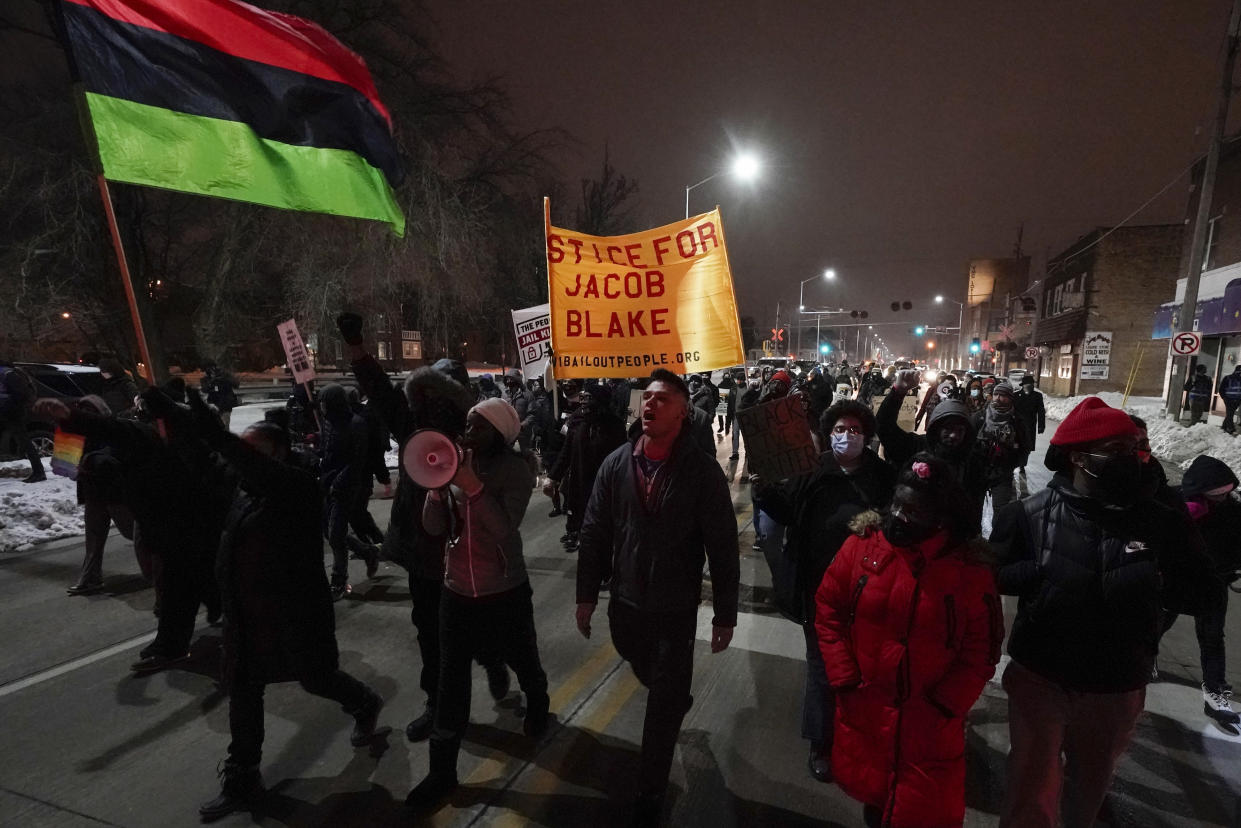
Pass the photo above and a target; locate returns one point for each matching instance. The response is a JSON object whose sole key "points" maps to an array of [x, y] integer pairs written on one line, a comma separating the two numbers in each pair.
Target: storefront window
{"points": [[1066, 367]]}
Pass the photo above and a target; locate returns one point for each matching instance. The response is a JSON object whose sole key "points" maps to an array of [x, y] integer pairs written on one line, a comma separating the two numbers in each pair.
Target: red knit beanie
{"points": [[782, 376], [1091, 421]]}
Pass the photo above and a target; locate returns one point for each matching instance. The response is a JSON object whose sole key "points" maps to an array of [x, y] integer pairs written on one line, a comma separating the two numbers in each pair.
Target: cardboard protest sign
{"points": [[295, 352], [533, 329], [624, 305], [778, 444]]}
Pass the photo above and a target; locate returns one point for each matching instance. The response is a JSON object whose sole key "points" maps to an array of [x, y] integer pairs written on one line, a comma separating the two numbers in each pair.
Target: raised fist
{"points": [[350, 325]]}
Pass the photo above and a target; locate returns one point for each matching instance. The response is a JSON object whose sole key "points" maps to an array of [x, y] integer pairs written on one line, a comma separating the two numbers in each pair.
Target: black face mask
{"points": [[1117, 479], [901, 532]]}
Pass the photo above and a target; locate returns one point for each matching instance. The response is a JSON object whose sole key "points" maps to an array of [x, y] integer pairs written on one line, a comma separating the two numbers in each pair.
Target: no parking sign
{"points": [[1185, 344]]}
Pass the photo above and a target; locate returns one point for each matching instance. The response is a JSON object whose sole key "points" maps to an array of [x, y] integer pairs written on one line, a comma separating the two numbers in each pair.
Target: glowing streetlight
{"points": [[745, 167], [65, 315]]}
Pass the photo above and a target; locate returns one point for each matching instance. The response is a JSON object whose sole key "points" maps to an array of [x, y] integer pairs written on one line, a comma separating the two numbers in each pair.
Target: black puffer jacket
{"points": [[656, 556], [1091, 580], [817, 509], [1218, 523], [431, 399]]}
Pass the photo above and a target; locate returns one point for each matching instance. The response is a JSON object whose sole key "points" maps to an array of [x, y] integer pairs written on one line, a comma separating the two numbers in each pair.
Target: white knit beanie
{"points": [[501, 414]]}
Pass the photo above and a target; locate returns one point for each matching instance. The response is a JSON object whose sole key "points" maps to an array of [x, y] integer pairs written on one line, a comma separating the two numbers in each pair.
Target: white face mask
{"points": [[847, 446], [974, 392]]}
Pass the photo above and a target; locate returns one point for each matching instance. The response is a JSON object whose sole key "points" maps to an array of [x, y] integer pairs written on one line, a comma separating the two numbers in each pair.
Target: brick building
{"points": [[1094, 309]]}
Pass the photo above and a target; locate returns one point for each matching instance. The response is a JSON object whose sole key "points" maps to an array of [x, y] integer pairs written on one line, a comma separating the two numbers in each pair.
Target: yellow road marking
{"points": [[497, 764], [545, 779]]}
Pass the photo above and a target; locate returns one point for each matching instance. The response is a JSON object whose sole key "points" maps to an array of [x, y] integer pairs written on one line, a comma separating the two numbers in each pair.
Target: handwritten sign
{"points": [[623, 305], [777, 439], [533, 329], [295, 352]]}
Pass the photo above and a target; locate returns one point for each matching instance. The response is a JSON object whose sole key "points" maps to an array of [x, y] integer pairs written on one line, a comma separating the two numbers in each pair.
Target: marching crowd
{"points": [[877, 554]]}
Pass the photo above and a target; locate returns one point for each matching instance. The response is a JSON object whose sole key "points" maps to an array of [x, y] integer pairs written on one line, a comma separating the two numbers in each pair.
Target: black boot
{"points": [[239, 789], [340, 587], [420, 728], [436, 786], [365, 719], [498, 680], [535, 723]]}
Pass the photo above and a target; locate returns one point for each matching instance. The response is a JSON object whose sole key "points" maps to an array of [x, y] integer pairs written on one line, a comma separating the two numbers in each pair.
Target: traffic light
{"points": [[920, 330], [825, 348], [975, 345]]}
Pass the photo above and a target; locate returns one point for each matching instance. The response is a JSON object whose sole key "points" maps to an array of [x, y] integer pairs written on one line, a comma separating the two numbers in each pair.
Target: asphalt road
{"points": [[86, 743]]}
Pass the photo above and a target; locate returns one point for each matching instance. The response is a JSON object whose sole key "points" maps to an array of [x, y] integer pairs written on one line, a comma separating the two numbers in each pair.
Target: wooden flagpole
{"points": [[126, 278]]}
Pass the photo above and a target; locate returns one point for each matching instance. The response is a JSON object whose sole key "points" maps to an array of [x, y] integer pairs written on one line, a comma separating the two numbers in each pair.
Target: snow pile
{"points": [[1170, 441], [35, 512]]}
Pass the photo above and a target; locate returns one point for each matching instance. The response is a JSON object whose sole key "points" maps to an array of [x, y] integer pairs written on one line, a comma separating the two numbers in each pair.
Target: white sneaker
{"points": [[1218, 705]]}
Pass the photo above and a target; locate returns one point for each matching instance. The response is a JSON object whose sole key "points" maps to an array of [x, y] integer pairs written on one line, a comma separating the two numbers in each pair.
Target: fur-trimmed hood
{"points": [[975, 551], [429, 384]]}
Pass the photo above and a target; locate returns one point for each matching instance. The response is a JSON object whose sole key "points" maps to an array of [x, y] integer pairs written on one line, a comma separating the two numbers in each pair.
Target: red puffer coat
{"points": [[910, 637]]}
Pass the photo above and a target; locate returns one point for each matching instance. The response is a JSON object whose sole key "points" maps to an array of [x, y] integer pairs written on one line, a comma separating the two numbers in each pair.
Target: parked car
{"points": [[62, 382]]}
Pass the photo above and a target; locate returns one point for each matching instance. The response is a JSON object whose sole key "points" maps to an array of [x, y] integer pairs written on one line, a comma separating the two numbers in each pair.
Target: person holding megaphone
{"points": [[486, 611]]}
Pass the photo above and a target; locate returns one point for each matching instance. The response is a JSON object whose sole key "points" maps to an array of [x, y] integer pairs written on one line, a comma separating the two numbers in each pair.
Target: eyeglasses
{"points": [[840, 429]]}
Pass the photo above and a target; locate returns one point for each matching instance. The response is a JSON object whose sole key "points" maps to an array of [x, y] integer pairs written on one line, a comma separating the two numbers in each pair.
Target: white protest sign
{"points": [[295, 352], [533, 329]]}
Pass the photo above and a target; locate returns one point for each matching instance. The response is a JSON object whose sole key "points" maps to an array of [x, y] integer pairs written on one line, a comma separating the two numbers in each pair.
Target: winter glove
{"points": [[206, 422], [350, 325], [161, 406]]}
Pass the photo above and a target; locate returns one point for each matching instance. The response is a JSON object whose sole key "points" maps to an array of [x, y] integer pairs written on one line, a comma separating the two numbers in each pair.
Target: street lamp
{"points": [[828, 275], [745, 167], [939, 300]]}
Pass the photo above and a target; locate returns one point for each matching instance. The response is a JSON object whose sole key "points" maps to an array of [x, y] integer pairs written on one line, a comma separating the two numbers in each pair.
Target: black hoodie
{"points": [[899, 445], [1220, 526]]}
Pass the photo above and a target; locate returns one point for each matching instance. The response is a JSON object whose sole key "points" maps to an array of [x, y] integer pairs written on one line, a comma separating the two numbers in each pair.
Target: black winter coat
{"points": [[430, 400], [1091, 581], [655, 556], [817, 509], [1030, 408], [279, 624], [119, 393], [164, 496], [592, 437]]}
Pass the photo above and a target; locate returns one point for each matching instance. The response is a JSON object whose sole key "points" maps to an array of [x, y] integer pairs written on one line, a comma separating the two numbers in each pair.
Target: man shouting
{"points": [[660, 507]]}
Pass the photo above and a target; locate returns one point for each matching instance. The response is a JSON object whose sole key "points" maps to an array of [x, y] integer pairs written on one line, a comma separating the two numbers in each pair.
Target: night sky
{"points": [[901, 139]]}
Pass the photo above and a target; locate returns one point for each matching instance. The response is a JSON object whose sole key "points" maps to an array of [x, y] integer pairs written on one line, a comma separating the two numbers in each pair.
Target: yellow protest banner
{"points": [[624, 305]]}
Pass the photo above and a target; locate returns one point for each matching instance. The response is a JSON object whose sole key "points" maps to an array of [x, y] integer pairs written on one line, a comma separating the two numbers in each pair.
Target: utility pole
{"points": [[1189, 308]]}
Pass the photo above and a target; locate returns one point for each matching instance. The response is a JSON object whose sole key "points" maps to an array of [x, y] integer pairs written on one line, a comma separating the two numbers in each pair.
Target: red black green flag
{"points": [[220, 98]]}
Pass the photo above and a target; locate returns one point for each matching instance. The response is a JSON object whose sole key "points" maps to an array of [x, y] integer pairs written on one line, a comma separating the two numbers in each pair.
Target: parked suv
{"points": [[62, 382]]}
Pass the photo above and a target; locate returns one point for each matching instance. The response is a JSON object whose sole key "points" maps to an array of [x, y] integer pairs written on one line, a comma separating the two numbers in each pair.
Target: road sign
{"points": [[1006, 331], [1032, 352], [1186, 344], [777, 334]]}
